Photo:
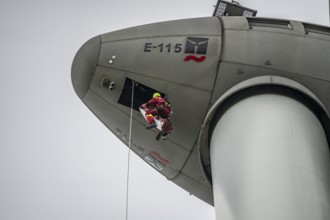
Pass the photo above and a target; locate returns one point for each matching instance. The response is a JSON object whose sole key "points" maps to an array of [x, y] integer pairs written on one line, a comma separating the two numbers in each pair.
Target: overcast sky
{"points": [[57, 160]]}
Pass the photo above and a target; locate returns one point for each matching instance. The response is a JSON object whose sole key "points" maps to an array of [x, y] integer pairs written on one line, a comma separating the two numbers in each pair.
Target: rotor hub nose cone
{"points": [[83, 66]]}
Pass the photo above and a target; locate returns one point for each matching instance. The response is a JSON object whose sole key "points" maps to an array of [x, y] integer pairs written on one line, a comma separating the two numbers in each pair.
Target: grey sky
{"points": [[57, 161]]}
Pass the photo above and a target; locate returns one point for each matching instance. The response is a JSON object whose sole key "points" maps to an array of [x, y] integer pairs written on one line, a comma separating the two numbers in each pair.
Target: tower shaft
{"points": [[270, 160]]}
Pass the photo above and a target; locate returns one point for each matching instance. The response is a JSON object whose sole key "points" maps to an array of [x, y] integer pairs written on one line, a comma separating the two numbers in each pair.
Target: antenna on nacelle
{"points": [[233, 8]]}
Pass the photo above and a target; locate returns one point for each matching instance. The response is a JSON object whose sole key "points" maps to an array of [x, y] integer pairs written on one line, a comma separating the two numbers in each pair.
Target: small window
{"points": [[268, 22], [142, 94], [316, 29]]}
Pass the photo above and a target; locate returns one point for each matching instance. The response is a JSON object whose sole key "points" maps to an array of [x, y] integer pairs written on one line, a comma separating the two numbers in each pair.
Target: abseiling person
{"points": [[157, 112]]}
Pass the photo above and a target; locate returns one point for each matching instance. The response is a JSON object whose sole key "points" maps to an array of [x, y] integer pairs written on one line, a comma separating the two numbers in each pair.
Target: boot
{"points": [[164, 136], [158, 136], [153, 125]]}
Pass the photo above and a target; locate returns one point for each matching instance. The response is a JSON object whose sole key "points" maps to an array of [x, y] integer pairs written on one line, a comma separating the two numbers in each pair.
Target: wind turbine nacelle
{"points": [[197, 64]]}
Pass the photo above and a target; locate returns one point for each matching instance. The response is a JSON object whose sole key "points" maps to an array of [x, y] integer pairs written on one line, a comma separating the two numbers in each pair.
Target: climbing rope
{"points": [[129, 149]]}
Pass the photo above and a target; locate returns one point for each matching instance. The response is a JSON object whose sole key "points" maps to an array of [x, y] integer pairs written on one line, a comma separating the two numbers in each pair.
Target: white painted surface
{"points": [[270, 160]]}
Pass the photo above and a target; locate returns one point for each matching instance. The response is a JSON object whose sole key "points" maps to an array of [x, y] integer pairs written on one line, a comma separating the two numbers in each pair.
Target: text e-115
{"points": [[149, 47]]}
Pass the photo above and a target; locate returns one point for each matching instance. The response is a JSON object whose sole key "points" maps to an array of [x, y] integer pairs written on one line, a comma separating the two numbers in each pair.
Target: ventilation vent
{"points": [[270, 23], [316, 29]]}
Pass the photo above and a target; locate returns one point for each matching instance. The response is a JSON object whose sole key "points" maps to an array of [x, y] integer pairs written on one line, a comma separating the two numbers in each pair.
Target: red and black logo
{"points": [[196, 45]]}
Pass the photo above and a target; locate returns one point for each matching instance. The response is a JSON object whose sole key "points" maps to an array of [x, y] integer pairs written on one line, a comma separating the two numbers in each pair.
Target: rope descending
{"points": [[129, 149]]}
